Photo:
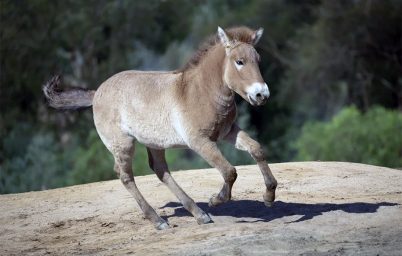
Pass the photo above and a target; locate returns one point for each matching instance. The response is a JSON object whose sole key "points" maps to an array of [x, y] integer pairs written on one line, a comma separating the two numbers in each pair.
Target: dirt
{"points": [[322, 208]]}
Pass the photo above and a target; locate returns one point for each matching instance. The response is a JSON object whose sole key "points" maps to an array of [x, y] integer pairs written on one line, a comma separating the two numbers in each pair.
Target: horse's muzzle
{"points": [[258, 94], [258, 100]]}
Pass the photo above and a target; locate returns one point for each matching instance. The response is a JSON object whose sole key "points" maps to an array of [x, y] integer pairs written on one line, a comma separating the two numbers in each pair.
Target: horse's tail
{"points": [[73, 98]]}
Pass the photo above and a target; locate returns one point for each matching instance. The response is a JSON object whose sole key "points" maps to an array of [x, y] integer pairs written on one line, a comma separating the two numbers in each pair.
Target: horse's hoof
{"points": [[269, 198], [162, 226], [215, 201], [204, 219], [268, 204]]}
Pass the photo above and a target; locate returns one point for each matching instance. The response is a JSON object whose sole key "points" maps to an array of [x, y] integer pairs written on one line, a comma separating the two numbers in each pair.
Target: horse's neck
{"points": [[206, 80]]}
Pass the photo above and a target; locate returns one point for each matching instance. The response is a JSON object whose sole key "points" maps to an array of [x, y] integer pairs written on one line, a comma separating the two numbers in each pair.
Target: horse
{"points": [[191, 107]]}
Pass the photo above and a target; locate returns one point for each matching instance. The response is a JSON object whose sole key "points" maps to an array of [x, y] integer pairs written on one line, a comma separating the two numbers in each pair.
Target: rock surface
{"points": [[322, 208]]}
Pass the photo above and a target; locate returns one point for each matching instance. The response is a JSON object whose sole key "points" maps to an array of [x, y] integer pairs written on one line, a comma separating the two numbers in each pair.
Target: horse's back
{"points": [[134, 81]]}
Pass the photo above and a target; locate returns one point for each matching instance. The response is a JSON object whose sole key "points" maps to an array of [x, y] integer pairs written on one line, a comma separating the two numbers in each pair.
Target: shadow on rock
{"points": [[259, 212]]}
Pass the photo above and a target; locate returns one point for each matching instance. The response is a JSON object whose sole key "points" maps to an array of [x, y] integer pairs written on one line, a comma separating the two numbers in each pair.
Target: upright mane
{"points": [[240, 34]]}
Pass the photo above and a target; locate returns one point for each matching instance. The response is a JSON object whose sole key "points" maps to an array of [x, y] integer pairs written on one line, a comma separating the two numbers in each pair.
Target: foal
{"points": [[192, 107]]}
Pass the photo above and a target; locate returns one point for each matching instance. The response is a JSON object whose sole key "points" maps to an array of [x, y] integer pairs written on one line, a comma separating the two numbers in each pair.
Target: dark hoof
{"points": [[215, 200], [204, 219]]}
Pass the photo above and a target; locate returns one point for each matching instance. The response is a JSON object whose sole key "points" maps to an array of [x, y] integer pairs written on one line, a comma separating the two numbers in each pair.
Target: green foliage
{"points": [[316, 56], [40, 167], [350, 54], [91, 162], [374, 137]]}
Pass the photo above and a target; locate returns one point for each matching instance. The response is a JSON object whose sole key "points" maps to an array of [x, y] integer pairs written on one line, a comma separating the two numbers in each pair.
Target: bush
{"points": [[38, 167], [93, 162], [374, 137]]}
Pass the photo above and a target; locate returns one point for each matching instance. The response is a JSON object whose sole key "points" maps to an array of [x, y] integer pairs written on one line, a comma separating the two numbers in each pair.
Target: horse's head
{"points": [[241, 72]]}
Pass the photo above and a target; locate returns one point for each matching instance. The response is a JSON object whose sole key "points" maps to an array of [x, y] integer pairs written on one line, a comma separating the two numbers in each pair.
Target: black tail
{"points": [[73, 98]]}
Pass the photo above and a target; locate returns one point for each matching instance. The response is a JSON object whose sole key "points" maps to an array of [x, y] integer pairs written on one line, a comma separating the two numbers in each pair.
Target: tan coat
{"points": [[192, 107]]}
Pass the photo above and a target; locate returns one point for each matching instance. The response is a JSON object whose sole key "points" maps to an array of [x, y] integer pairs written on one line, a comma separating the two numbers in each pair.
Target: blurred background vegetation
{"points": [[334, 69]]}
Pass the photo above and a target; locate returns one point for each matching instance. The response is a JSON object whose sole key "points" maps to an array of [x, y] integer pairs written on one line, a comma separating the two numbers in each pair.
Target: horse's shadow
{"points": [[258, 212]]}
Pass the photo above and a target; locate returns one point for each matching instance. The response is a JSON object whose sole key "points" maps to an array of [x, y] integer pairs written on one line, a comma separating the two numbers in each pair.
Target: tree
{"points": [[373, 137]]}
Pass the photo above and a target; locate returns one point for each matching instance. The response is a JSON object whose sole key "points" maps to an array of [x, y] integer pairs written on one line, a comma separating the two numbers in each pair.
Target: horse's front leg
{"points": [[208, 150], [242, 141]]}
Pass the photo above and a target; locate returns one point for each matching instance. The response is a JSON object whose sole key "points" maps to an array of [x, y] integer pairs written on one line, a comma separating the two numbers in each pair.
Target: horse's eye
{"points": [[239, 62]]}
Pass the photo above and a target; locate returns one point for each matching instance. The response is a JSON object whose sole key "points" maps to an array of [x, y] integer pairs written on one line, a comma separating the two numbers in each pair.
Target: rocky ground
{"points": [[322, 208]]}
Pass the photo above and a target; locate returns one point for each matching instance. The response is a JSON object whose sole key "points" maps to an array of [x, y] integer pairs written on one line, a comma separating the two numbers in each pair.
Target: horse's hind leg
{"points": [[158, 164], [123, 150]]}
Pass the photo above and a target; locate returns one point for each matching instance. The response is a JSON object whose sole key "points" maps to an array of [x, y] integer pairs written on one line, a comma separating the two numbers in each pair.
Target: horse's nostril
{"points": [[258, 95]]}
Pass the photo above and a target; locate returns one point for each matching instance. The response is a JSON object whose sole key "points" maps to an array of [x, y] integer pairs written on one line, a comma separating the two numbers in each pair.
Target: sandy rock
{"points": [[322, 208]]}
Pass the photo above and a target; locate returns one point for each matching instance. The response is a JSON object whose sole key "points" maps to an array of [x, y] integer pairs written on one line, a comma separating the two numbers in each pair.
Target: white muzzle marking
{"points": [[258, 93]]}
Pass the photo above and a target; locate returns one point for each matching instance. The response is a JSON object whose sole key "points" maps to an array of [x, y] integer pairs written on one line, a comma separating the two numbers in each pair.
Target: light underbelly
{"points": [[161, 140], [152, 130]]}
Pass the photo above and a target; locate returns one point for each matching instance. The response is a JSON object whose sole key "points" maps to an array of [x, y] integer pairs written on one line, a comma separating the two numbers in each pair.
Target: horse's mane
{"points": [[239, 34]]}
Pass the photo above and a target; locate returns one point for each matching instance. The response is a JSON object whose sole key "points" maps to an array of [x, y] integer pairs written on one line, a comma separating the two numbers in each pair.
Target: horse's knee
{"points": [[126, 178], [257, 152]]}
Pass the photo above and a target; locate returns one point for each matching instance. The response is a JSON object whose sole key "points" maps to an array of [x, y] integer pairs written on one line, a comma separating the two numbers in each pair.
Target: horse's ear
{"points": [[223, 37], [257, 35]]}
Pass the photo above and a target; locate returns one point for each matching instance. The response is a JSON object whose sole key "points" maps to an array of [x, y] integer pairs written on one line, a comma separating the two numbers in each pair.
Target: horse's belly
{"points": [[159, 139], [152, 130]]}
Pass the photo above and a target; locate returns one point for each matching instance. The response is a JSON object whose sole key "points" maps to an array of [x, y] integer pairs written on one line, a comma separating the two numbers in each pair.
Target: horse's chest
{"points": [[221, 122]]}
